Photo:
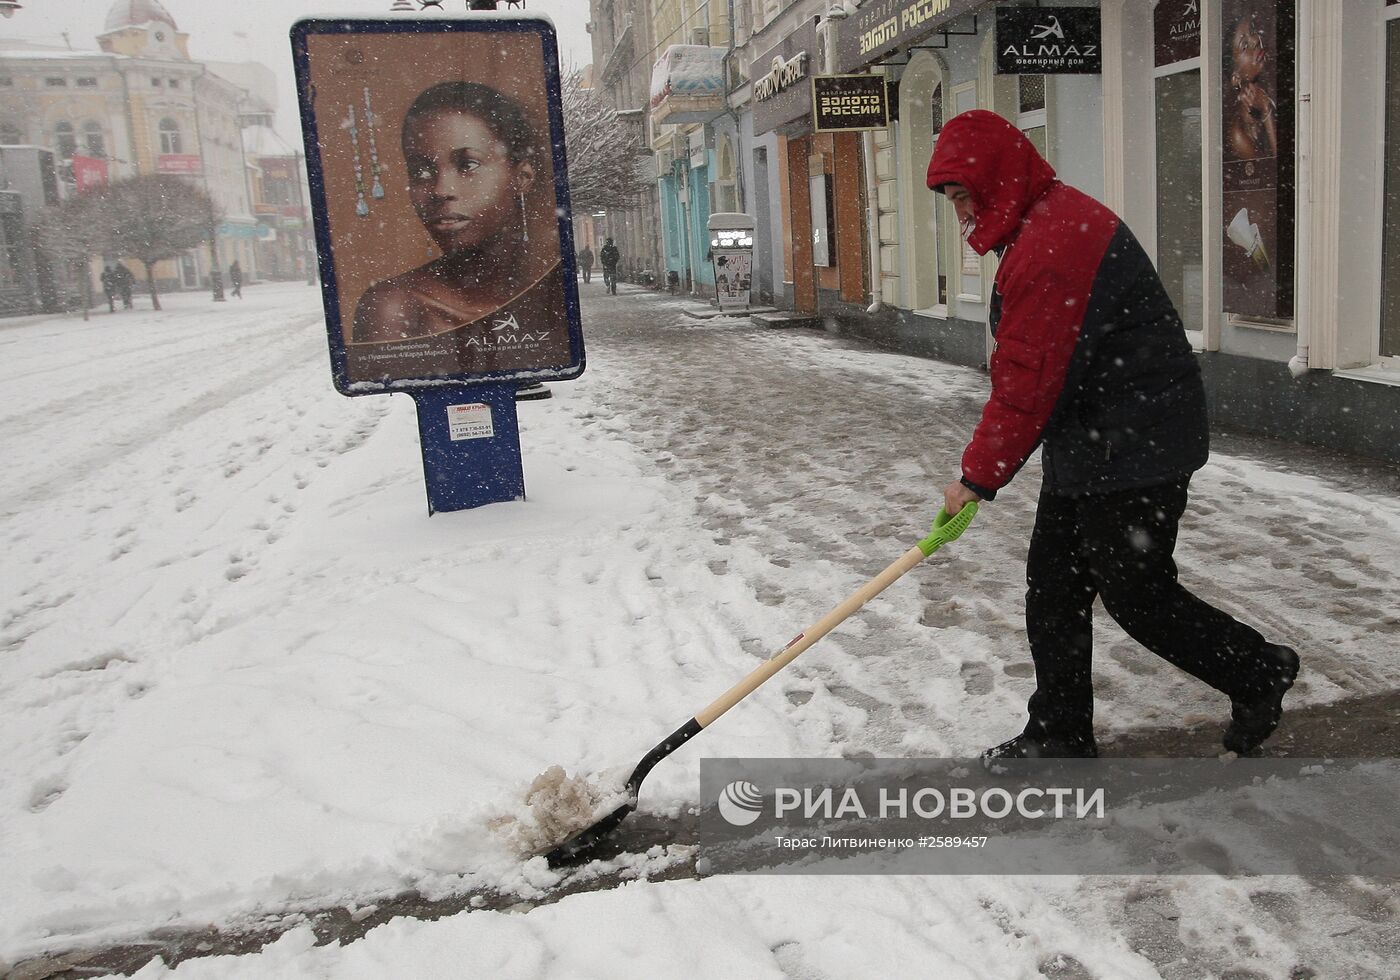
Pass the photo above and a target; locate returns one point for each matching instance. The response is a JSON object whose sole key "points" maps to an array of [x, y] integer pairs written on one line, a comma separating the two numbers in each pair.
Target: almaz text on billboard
{"points": [[1048, 40], [907, 19]]}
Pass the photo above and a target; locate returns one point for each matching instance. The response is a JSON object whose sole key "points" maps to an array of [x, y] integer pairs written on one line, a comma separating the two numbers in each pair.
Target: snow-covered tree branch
{"points": [[603, 151]]}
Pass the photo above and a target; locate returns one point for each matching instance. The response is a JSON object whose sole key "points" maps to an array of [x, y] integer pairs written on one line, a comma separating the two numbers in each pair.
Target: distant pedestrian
{"points": [[109, 287], [610, 257], [235, 278], [585, 263], [123, 280]]}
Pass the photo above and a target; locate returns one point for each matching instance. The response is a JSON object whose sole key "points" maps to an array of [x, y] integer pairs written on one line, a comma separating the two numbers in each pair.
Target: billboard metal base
{"points": [[470, 439]]}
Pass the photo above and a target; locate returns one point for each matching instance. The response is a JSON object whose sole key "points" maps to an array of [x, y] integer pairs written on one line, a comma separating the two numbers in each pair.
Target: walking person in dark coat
{"points": [[109, 287], [123, 280], [1091, 362], [235, 278], [585, 263], [610, 257]]}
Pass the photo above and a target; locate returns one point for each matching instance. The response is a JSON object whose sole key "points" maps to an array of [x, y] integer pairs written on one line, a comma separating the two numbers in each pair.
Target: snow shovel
{"points": [[944, 529]]}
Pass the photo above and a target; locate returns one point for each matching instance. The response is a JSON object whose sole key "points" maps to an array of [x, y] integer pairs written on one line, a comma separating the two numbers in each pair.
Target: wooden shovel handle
{"points": [[809, 636]]}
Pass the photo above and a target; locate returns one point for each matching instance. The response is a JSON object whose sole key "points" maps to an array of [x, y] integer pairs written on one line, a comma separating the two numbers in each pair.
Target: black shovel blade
{"points": [[577, 847]]}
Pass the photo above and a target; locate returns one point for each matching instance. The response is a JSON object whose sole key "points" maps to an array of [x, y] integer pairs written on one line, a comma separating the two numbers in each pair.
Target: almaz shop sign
{"points": [[1048, 41]]}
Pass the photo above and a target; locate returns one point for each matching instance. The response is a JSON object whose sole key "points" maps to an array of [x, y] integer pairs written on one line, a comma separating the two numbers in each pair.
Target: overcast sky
{"points": [[213, 26]]}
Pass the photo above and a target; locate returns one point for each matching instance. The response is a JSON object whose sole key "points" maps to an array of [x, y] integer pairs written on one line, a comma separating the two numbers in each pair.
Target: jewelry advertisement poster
{"points": [[1257, 168], [435, 154]]}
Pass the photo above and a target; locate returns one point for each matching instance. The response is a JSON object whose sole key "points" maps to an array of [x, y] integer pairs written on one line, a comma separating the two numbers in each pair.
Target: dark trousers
{"points": [[1118, 547]]}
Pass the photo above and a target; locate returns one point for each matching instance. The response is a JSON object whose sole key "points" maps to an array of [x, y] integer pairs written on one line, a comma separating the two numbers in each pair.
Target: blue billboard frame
{"points": [[330, 292]]}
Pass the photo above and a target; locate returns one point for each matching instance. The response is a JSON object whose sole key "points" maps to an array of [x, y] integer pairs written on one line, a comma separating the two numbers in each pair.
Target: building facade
{"points": [[137, 105], [1253, 146], [695, 67], [621, 31]]}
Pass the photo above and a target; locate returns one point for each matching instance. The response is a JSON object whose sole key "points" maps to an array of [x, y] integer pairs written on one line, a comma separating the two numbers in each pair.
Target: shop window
{"points": [[10, 134], [944, 219], [1180, 203], [94, 143], [823, 212], [1030, 110], [726, 184], [1390, 251], [969, 263], [923, 217], [64, 140], [170, 141], [12, 231]]}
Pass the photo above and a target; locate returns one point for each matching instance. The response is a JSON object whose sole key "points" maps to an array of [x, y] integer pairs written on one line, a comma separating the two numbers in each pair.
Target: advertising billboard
{"points": [[435, 153], [1256, 52]]}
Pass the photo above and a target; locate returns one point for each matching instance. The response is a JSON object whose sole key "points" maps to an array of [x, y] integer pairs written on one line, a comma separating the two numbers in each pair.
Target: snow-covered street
{"points": [[242, 673]]}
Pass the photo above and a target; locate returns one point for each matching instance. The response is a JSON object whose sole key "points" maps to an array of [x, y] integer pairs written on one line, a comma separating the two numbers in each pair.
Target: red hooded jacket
{"points": [[1090, 357]]}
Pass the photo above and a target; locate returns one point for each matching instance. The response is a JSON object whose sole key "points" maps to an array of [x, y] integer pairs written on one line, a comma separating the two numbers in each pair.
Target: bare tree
{"points": [[155, 217], [72, 233], [603, 150]]}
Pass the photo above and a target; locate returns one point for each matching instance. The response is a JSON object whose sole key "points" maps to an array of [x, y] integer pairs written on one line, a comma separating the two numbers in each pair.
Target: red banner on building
{"points": [[89, 173], [186, 164]]}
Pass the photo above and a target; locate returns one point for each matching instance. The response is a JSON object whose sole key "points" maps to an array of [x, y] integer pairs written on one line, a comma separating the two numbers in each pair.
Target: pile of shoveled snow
{"points": [[557, 806]]}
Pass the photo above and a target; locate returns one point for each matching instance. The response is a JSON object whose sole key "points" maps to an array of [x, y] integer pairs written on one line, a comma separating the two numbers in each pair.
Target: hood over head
{"points": [[999, 167]]}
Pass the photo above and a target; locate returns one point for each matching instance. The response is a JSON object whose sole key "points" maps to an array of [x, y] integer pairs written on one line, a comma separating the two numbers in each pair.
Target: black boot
{"points": [[1027, 746], [1251, 722]]}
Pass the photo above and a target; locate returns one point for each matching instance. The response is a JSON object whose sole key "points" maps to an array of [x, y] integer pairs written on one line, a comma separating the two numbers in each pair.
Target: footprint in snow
{"points": [[977, 678], [42, 796]]}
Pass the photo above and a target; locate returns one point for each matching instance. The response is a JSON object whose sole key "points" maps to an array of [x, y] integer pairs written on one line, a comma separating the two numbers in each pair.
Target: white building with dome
{"points": [[140, 105]]}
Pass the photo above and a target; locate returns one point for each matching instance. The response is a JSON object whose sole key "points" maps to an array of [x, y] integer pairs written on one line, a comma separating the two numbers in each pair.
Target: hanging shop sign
{"points": [[879, 29], [1176, 32], [1048, 41], [1257, 175], [849, 102], [782, 95]]}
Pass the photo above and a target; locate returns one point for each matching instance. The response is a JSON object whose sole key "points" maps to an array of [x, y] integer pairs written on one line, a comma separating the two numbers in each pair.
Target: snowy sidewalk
{"points": [[244, 674]]}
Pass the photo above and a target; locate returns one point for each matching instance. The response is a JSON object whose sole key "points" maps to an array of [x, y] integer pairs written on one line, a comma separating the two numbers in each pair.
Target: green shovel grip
{"points": [[947, 528]]}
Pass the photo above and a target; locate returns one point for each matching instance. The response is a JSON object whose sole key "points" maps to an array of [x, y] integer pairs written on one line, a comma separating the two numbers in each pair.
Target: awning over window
{"points": [[687, 84]]}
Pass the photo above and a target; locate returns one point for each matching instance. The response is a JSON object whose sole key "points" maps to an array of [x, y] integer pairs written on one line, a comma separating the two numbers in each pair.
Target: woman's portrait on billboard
{"points": [[473, 163]]}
